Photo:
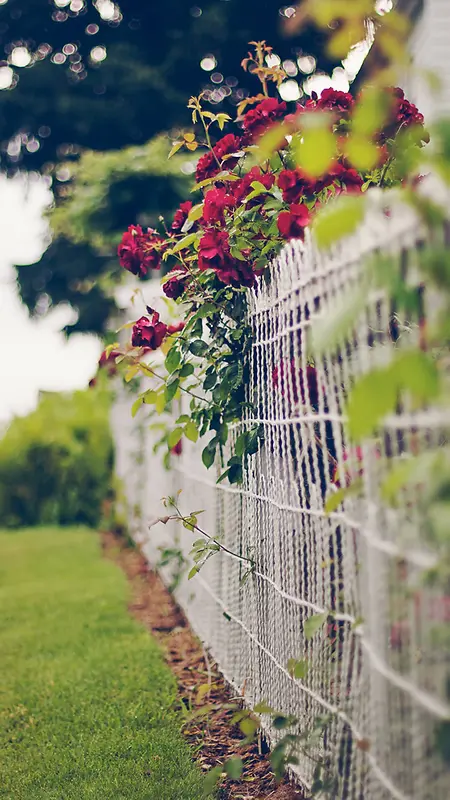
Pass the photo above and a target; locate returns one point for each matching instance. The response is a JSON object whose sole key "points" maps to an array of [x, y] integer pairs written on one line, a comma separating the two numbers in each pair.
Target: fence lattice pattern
{"points": [[374, 668]]}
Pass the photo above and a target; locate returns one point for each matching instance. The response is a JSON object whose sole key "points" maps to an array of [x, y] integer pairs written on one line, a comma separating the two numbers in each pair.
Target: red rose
{"points": [[333, 100], [303, 380], [109, 361], [244, 186], [403, 115], [226, 146], [292, 223], [237, 273], [347, 176], [207, 167], [214, 250], [175, 283], [295, 184], [214, 253], [258, 119], [171, 329], [148, 333], [130, 251], [208, 164], [404, 112], [181, 216], [216, 201], [138, 251]]}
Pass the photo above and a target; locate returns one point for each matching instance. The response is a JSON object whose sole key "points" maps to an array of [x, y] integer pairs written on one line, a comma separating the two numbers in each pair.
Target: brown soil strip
{"points": [[213, 738]]}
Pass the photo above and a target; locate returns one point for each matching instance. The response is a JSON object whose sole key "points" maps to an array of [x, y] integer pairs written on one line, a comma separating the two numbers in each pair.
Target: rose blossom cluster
{"points": [[215, 245]]}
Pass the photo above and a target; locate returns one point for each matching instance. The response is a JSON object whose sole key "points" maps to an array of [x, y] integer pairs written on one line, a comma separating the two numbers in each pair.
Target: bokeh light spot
{"points": [[272, 60], [106, 9], [20, 56], [6, 77], [33, 146], [98, 53], [290, 67], [208, 63], [58, 58], [306, 64], [290, 90]]}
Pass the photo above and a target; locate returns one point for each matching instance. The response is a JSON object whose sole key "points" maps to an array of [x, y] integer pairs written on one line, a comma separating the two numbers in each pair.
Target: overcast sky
{"points": [[34, 354]]}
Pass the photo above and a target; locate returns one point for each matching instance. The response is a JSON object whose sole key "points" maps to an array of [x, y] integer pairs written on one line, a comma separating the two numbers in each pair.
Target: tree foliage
{"points": [[153, 54], [54, 111]]}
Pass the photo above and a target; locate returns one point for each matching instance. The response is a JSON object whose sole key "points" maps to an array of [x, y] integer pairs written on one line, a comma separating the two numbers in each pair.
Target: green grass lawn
{"points": [[86, 700]]}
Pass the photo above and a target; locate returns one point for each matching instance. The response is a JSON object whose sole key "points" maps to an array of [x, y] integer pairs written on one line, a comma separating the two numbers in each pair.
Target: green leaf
{"points": [[249, 726], [240, 444], [280, 722], [175, 148], [420, 469], [220, 177], [235, 473], [185, 242], [263, 708], [334, 327], [196, 212], [370, 113], [192, 572], [132, 372], [314, 624], [171, 389], [206, 310], [234, 767], [298, 669], [210, 381], [136, 406], [223, 433], [211, 779], [270, 141], [160, 402], [198, 348], [187, 370], [223, 476], [191, 431], [150, 396], [258, 189], [418, 374], [209, 455], [374, 396], [361, 152], [315, 149], [174, 437], [173, 359], [335, 499], [253, 439], [339, 218]]}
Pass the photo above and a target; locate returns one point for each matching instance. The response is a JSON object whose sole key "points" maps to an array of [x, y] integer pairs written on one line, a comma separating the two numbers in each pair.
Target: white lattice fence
{"points": [[375, 669]]}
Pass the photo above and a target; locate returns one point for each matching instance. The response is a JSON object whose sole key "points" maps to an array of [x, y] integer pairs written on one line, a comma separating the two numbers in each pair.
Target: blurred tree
{"points": [[104, 75], [102, 194]]}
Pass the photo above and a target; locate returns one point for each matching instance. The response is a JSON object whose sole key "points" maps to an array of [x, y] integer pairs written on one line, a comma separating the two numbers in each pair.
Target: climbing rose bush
{"points": [[258, 185]]}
